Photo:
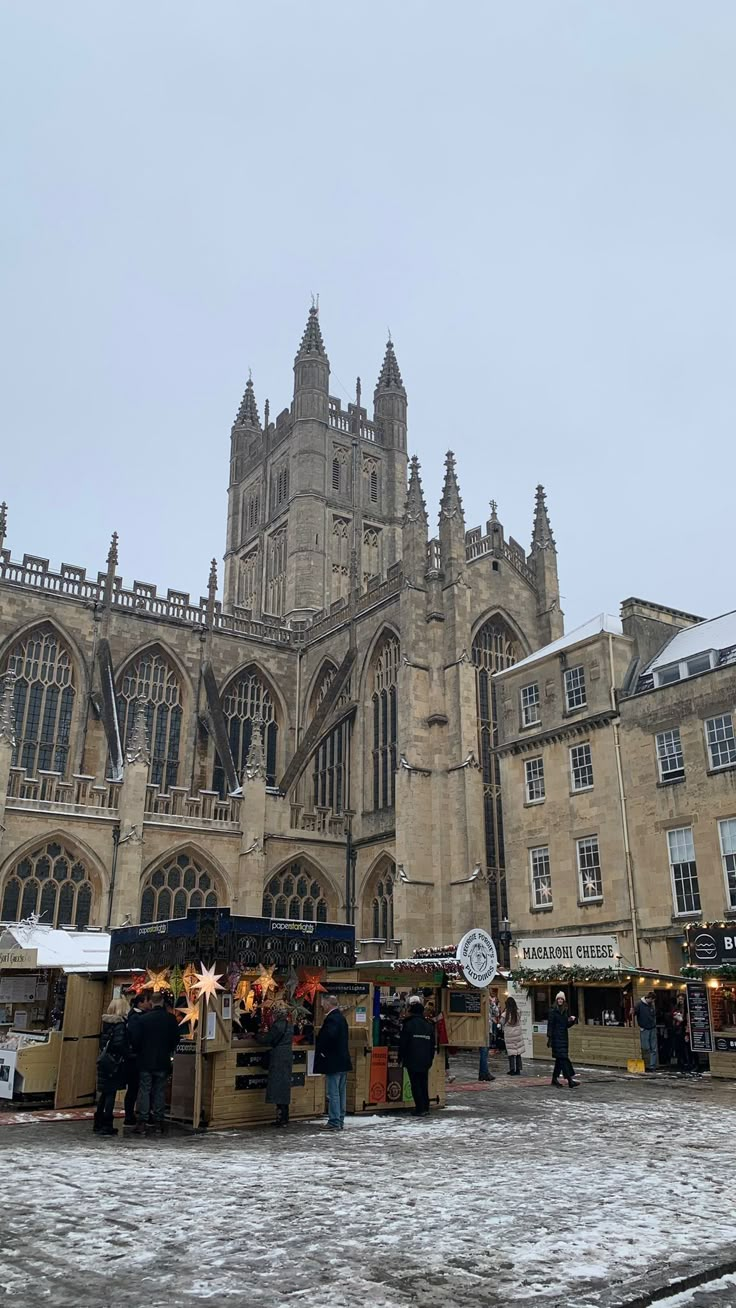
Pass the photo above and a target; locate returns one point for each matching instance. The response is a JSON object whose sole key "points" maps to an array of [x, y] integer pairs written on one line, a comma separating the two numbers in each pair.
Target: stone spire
{"points": [[112, 553], [542, 537], [211, 593], [389, 377], [138, 749], [247, 415], [108, 585], [451, 505], [255, 764], [416, 509], [3, 523], [452, 525], [7, 709], [312, 342]]}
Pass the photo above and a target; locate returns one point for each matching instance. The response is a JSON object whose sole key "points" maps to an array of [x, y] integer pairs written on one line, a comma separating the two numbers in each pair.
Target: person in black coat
{"points": [[332, 1059], [154, 1038], [558, 1025], [280, 1038], [139, 1004], [416, 1053], [112, 1062]]}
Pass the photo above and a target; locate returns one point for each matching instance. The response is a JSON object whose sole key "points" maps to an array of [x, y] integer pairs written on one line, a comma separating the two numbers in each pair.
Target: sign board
{"points": [[701, 1031], [725, 1044], [464, 1001], [477, 957], [711, 946], [547, 953], [524, 1005], [15, 958]]}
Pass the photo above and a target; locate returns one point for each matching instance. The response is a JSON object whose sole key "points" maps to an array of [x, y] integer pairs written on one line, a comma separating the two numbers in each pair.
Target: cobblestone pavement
{"points": [[516, 1193]]}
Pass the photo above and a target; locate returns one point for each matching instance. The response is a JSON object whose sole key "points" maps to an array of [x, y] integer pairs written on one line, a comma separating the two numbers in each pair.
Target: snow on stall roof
{"points": [[603, 622], [74, 951], [716, 633]]}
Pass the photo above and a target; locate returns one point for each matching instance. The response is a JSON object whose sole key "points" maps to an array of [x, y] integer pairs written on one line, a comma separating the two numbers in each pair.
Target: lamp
{"points": [[505, 936]]}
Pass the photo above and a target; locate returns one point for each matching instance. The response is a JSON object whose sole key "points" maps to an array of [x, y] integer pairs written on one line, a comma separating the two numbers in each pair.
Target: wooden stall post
{"points": [[199, 1062]]}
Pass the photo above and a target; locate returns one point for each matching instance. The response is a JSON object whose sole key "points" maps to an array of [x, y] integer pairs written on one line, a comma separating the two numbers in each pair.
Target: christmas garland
{"points": [[535, 976], [726, 972]]}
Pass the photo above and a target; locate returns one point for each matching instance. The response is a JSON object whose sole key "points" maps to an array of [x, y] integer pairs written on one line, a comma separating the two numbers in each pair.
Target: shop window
{"points": [[575, 695], [44, 701], [246, 699], [295, 894], [607, 1006], [51, 882], [151, 678], [543, 999], [385, 722], [176, 886], [683, 870], [534, 780]]}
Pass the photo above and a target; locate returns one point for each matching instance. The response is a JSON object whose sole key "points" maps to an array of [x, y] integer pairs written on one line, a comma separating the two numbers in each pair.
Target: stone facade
{"points": [[318, 743]]}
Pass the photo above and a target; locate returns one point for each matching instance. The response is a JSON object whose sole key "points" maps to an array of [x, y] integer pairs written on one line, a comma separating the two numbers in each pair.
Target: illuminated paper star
{"points": [[189, 1014], [137, 984], [265, 978], [157, 981], [309, 985], [291, 982], [206, 983], [243, 988], [189, 979], [175, 982]]}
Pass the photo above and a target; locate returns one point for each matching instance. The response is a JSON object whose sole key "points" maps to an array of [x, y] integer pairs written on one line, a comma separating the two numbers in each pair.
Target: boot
{"points": [[518, 1064], [512, 1069]]}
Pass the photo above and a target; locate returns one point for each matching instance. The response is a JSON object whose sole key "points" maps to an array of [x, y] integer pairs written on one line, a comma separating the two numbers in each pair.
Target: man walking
{"points": [[416, 1053], [646, 1016], [332, 1059], [154, 1039], [139, 1004]]}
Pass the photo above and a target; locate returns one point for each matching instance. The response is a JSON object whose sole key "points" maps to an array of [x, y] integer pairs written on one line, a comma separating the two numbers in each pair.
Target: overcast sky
{"points": [[537, 198]]}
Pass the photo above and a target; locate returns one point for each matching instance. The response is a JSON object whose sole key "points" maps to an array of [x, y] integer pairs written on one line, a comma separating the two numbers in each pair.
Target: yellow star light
{"points": [[189, 1014], [265, 979], [206, 983], [189, 978], [157, 981]]}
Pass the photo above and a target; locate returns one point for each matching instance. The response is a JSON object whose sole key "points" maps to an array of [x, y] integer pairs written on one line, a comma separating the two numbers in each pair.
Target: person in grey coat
{"points": [[280, 1040]]}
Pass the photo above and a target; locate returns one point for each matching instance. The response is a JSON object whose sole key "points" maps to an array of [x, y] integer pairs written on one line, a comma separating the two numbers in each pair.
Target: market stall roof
{"points": [[73, 951]]}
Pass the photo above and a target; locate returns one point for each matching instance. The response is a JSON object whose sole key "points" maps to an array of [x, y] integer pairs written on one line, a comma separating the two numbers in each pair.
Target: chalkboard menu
{"points": [[701, 1032], [465, 1001]]}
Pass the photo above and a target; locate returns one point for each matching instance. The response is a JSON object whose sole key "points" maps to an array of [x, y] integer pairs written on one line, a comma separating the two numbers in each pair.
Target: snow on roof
{"points": [[74, 951], [717, 633], [601, 623]]}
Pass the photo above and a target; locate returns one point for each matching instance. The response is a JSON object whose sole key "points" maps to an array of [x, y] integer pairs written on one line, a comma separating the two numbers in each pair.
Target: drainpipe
{"points": [[624, 814], [113, 870]]}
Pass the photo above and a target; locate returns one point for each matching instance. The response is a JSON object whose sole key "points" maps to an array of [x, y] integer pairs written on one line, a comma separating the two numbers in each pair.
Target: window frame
{"points": [[577, 790], [526, 705], [730, 891], [537, 780], [731, 761], [569, 673], [692, 874], [538, 900], [676, 774], [596, 898]]}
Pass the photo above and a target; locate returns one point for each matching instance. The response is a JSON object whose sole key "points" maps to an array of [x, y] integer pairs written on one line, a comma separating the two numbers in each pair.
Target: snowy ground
{"points": [[516, 1194]]}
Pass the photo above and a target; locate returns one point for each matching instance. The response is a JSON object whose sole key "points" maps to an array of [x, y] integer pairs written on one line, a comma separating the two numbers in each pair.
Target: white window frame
{"points": [[534, 780], [683, 669], [538, 898], [727, 854], [575, 684], [682, 862], [583, 846], [530, 705], [664, 744], [728, 736], [589, 765]]}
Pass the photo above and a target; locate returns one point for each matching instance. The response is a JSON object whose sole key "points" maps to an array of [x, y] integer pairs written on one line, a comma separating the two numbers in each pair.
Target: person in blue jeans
{"points": [[332, 1060], [646, 1016], [154, 1039]]}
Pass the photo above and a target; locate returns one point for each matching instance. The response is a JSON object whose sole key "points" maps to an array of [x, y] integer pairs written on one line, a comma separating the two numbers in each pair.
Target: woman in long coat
{"points": [[280, 1040], [513, 1035], [558, 1025], [112, 1063]]}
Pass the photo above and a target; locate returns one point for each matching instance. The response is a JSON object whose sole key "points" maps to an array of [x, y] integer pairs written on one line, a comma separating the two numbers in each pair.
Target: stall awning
{"points": [[71, 951]]}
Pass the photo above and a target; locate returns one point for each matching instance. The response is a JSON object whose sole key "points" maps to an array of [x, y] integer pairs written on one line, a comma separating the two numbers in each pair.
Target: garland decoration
{"points": [[535, 976], [726, 972]]}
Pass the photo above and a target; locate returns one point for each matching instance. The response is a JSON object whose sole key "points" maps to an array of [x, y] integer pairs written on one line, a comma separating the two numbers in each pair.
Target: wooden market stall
{"points": [[710, 977], [52, 988]]}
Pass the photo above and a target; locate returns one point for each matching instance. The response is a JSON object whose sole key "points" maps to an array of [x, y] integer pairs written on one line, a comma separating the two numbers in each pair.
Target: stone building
{"points": [[317, 743], [618, 766]]}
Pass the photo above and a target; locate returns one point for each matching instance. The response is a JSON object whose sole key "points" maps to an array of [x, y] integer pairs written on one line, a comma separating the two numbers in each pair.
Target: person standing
{"points": [[139, 1004], [416, 1053], [558, 1026], [112, 1062], [280, 1065], [513, 1035], [646, 1017], [154, 1039], [332, 1059]]}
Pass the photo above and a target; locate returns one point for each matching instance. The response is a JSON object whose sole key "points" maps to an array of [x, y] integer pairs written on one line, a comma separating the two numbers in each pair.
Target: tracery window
{"points": [[297, 894], [339, 470], [251, 512], [44, 701], [246, 699], [151, 677], [370, 480], [331, 763], [276, 573], [385, 721], [381, 903], [279, 486], [340, 558], [177, 885], [52, 882], [371, 554], [248, 580], [494, 648]]}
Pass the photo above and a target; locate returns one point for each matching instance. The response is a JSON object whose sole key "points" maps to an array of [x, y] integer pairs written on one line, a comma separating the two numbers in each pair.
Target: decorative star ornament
{"points": [[291, 982], [175, 982], [157, 981], [189, 1014], [189, 979], [233, 978], [138, 983], [243, 989], [309, 985], [265, 978], [207, 984]]}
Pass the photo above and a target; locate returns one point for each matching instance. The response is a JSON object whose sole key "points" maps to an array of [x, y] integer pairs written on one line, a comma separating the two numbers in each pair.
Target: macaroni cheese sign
{"points": [[551, 952]]}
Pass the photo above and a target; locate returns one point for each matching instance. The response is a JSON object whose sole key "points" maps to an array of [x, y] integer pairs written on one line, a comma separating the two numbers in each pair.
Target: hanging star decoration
{"points": [[309, 985], [157, 981], [207, 984], [233, 978], [291, 983], [189, 979], [137, 984], [176, 982], [189, 1014], [243, 989], [265, 979]]}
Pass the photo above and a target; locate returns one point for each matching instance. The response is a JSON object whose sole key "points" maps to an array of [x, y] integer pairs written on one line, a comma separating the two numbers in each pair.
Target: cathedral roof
{"points": [[312, 342]]}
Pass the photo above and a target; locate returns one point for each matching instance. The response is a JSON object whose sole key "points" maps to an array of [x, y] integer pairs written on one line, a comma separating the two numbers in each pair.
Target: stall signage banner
{"points": [[701, 1031], [378, 1074], [711, 946], [725, 1044], [17, 957], [550, 952], [477, 956], [524, 1005], [349, 988]]}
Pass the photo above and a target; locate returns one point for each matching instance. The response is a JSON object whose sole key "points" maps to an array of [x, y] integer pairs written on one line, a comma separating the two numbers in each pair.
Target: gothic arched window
{"points": [[297, 894], [340, 558], [331, 762], [371, 554], [378, 911], [44, 701], [248, 577], [276, 573], [151, 677], [176, 885], [494, 649], [52, 882], [385, 676], [248, 698]]}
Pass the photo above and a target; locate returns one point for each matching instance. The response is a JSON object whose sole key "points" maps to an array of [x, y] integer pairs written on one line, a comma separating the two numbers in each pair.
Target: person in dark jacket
{"points": [[154, 1038], [646, 1017], [139, 1004], [111, 1064], [332, 1059], [416, 1053], [280, 1065], [558, 1025]]}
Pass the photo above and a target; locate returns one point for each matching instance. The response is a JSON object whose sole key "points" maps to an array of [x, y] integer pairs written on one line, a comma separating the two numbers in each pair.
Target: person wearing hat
{"points": [[558, 1026], [416, 1053]]}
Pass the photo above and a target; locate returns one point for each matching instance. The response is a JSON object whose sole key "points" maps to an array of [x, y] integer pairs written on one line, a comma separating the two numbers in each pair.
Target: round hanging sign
{"points": [[477, 956]]}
